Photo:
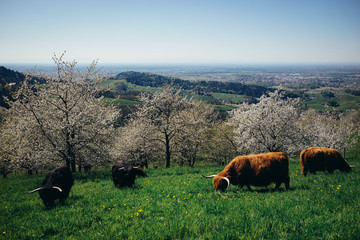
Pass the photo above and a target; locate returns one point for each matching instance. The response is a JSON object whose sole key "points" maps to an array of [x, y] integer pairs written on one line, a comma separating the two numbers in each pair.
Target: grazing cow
{"points": [[321, 159], [56, 185], [257, 170], [124, 174]]}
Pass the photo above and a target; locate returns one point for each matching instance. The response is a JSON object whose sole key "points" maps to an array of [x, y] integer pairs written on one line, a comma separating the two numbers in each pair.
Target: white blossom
{"points": [[268, 126], [60, 118], [171, 126], [328, 129]]}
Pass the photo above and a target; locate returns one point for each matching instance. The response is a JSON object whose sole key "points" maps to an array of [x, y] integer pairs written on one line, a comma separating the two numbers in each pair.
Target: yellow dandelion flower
{"points": [[140, 210], [137, 214]]}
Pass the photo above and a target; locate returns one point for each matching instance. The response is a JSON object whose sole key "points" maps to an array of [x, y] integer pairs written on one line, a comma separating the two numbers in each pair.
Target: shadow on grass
{"points": [[270, 190]]}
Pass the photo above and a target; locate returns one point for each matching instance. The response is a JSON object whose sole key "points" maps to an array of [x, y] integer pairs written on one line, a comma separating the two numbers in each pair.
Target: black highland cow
{"points": [[124, 174], [56, 185]]}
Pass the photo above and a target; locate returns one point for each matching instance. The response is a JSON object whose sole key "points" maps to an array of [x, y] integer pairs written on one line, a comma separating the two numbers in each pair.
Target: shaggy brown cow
{"points": [[257, 170], [321, 159]]}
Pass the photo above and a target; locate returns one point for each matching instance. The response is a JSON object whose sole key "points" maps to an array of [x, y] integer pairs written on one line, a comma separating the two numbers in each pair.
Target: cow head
{"points": [[220, 183], [139, 171]]}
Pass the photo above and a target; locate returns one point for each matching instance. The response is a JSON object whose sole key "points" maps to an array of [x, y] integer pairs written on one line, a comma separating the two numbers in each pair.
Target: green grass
{"points": [[119, 102], [346, 101], [178, 203], [112, 82], [229, 98]]}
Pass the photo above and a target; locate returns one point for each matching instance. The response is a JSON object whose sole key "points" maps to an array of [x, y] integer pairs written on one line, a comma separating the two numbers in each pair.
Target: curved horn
{"points": [[352, 166], [121, 168], [228, 181], [211, 176], [137, 167], [35, 190], [57, 188]]}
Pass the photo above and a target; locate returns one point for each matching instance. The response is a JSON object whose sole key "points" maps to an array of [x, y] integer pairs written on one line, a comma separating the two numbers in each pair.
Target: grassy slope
{"points": [[178, 203]]}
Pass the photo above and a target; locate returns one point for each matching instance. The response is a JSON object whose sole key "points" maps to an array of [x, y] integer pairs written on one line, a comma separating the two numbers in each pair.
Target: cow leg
{"points": [[287, 183], [62, 201], [49, 204], [277, 185], [249, 188]]}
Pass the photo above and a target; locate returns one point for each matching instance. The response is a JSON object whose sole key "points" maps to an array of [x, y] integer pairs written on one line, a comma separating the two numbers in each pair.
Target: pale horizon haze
{"points": [[180, 32]]}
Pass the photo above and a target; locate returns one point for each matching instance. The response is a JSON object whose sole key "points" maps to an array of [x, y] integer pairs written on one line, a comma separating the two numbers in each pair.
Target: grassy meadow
{"points": [[177, 203]]}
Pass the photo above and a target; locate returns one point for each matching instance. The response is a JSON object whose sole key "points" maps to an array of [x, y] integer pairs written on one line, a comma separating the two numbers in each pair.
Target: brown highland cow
{"points": [[322, 159], [257, 170]]}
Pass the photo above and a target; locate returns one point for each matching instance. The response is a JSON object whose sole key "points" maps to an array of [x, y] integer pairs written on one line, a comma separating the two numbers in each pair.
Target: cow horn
{"points": [[121, 168], [211, 176], [35, 190], [137, 167], [352, 166], [57, 188], [228, 181]]}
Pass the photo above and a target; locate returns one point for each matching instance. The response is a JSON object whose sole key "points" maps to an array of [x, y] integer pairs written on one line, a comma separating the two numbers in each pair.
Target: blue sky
{"points": [[185, 31]]}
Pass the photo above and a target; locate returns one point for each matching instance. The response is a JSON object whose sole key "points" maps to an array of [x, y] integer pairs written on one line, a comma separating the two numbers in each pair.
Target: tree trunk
{"points": [[73, 166], [168, 154], [67, 163]]}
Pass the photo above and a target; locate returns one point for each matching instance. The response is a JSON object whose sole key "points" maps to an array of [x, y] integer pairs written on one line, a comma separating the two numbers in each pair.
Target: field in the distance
{"points": [[177, 203]]}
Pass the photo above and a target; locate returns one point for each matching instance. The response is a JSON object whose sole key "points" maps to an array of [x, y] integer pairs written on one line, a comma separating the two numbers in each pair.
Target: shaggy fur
{"points": [[56, 185], [322, 159], [124, 175], [257, 170]]}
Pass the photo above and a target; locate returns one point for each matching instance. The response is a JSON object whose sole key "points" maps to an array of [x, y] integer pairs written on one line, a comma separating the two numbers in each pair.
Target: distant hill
{"points": [[9, 82], [10, 76], [199, 87]]}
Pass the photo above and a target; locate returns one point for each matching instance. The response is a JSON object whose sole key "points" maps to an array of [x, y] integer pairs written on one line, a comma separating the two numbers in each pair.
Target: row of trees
{"points": [[155, 80], [63, 121]]}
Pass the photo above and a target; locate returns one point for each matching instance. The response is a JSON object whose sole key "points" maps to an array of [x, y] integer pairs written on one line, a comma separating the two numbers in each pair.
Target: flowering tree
{"points": [[221, 146], [173, 120], [329, 129], [22, 146], [134, 144], [60, 119], [269, 125], [198, 119]]}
